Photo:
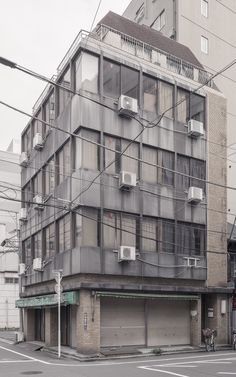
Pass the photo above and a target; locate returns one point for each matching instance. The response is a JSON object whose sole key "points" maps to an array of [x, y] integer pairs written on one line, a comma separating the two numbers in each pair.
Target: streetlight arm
{"points": [[7, 62]]}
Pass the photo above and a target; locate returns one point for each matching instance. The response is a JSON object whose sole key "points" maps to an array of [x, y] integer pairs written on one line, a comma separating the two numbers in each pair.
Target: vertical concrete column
{"points": [[51, 327], [29, 324], [88, 323], [195, 322], [216, 319]]}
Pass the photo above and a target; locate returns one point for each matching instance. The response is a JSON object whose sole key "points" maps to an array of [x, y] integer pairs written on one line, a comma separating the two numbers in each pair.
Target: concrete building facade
{"points": [[112, 201], [207, 28], [9, 284]]}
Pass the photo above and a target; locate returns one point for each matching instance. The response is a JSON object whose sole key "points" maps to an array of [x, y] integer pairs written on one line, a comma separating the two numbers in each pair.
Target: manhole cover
{"points": [[30, 372]]}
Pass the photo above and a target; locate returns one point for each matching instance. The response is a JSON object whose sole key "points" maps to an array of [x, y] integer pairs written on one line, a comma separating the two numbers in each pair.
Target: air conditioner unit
{"points": [[38, 202], [195, 128], [37, 264], [191, 262], [127, 106], [19, 337], [38, 141], [127, 253], [24, 159], [195, 195], [21, 269], [127, 180], [23, 214]]}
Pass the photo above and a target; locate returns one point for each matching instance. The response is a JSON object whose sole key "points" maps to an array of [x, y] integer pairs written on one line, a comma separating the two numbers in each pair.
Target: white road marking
{"points": [[164, 371], [231, 373], [21, 354], [16, 361], [227, 360]]}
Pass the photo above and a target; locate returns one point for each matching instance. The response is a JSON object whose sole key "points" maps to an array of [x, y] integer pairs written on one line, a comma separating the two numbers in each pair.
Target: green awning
{"points": [[149, 296], [68, 298]]}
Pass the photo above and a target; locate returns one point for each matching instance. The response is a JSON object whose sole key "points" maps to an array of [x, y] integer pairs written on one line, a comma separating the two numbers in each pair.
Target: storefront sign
{"points": [[68, 298]]}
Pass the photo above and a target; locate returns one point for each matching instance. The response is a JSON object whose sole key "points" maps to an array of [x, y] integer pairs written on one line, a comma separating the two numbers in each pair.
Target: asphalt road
{"points": [[20, 361]]}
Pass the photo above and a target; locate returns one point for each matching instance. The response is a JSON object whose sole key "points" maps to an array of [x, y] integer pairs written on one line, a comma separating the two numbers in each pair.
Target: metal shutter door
{"points": [[122, 322], [168, 322]]}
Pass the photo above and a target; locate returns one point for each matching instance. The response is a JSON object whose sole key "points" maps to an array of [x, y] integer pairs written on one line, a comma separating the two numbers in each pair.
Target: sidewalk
{"points": [[8, 336]]}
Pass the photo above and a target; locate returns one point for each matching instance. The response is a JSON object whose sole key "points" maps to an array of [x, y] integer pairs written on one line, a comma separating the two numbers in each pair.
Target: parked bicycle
{"points": [[209, 339], [234, 339]]}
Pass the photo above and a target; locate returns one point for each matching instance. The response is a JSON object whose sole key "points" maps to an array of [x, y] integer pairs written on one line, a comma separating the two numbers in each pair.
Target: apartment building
{"points": [[207, 27], [120, 201], [9, 283]]}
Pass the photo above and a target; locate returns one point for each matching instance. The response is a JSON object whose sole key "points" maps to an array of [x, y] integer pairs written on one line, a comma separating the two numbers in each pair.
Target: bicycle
{"points": [[209, 339], [234, 339]]}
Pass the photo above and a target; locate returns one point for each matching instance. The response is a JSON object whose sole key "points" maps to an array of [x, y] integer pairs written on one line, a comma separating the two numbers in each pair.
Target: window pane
{"points": [[49, 111], [111, 79], [87, 154], [66, 158], [168, 237], [61, 235], [90, 227], [113, 143], [63, 94], [129, 82], [129, 164], [149, 234], [149, 94], [149, 172], [166, 99], [67, 233], [183, 166], [183, 106], [128, 236], [204, 44], [167, 161], [204, 8], [60, 169], [111, 235], [87, 72], [184, 239], [197, 107], [198, 244], [37, 245], [198, 169]]}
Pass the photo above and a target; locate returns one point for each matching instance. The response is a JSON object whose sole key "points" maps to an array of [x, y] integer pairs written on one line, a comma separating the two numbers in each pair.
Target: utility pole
{"points": [[58, 290]]}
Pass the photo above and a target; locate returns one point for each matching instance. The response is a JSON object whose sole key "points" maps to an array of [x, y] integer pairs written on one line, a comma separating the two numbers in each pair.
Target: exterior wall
{"points": [[9, 292], [217, 243]]}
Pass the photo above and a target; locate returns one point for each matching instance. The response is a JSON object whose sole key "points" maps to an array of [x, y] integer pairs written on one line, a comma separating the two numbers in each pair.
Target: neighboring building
{"points": [[9, 287], [207, 27], [171, 225]]}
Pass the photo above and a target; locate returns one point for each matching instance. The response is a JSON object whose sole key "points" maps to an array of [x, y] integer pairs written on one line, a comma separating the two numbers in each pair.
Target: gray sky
{"points": [[36, 34]]}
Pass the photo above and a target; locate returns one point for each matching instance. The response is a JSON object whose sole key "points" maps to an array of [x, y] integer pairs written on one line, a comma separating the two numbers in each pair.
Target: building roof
{"points": [[149, 36]]}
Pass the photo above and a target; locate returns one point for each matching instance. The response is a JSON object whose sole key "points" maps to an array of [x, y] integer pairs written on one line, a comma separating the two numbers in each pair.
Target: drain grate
{"points": [[31, 372]]}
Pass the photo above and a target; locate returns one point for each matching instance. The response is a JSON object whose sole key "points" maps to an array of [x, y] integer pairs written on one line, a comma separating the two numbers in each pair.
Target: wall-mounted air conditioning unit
{"points": [[37, 264], [127, 180], [191, 261], [127, 106], [24, 159], [38, 141], [23, 214], [38, 202], [195, 128], [19, 337], [127, 253], [195, 195], [21, 269]]}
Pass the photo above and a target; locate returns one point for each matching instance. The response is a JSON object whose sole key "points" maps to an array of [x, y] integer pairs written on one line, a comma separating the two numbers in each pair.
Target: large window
{"points": [[119, 80], [168, 236], [163, 158], [150, 94], [150, 234], [27, 253], [190, 167], [63, 94], [190, 239], [38, 126], [49, 110], [204, 8], [49, 177], [86, 153], [63, 163], [87, 228], [49, 241], [166, 99], [124, 162], [37, 184], [37, 245], [190, 106], [64, 233], [119, 229], [87, 72]]}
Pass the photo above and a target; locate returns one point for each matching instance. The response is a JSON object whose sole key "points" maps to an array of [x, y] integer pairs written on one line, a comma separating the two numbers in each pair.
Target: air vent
{"points": [[195, 128], [127, 253], [38, 141], [195, 195], [127, 106], [127, 180], [23, 214], [38, 202], [37, 264], [24, 159]]}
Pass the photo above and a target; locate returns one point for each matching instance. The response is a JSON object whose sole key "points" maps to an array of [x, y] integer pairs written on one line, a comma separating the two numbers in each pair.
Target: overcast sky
{"points": [[36, 34]]}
